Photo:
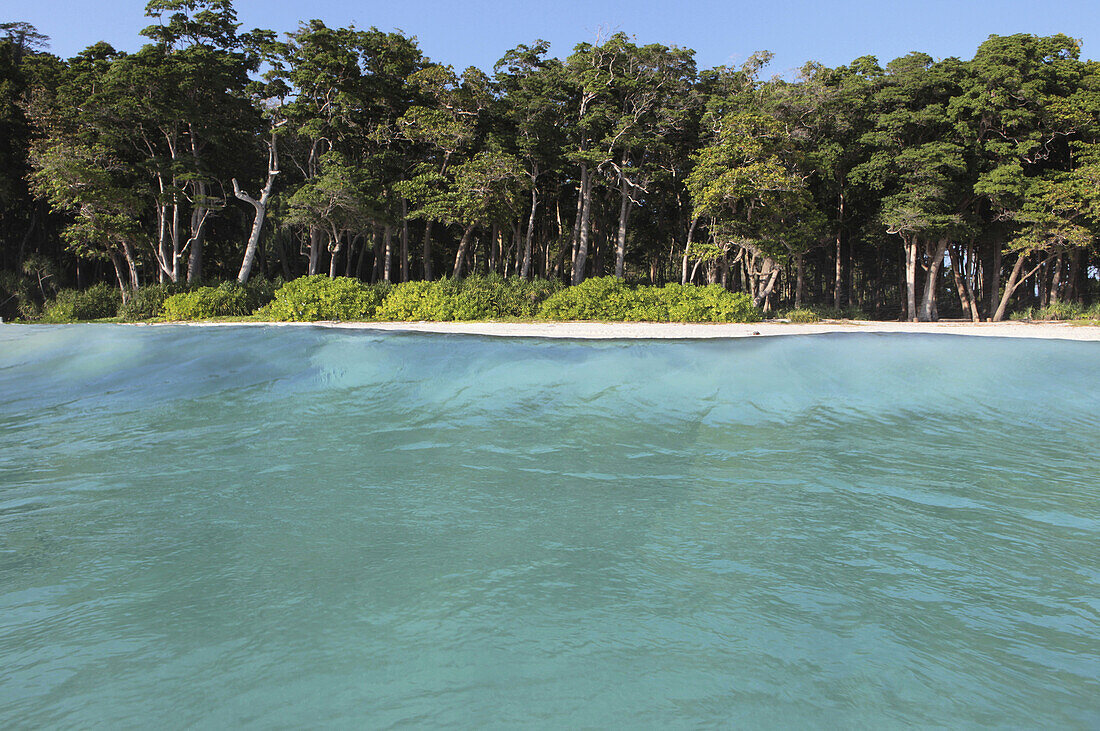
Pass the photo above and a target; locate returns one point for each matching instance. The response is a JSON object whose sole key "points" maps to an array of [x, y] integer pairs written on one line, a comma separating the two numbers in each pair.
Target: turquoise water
{"points": [[280, 527]]}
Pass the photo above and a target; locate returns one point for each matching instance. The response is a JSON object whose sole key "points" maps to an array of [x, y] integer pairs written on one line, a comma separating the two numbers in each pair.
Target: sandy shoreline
{"points": [[674, 330]]}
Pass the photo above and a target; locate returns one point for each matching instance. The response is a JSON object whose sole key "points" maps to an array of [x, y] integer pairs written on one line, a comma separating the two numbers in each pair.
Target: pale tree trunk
{"points": [[687, 251], [334, 255], [387, 253], [525, 269], [1014, 281], [177, 253], [910, 245], [765, 293], [1056, 280], [404, 241], [838, 282], [314, 249], [575, 234], [379, 249], [962, 284], [620, 239], [493, 248], [261, 210], [460, 257], [198, 236], [1010, 287], [928, 301], [117, 263], [582, 237]]}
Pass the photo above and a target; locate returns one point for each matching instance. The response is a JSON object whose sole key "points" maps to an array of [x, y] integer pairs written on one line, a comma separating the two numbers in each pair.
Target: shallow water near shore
{"points": [[271, 526]]}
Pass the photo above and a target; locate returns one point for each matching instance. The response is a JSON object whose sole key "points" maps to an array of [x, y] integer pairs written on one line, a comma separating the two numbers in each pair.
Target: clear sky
{"points": [[477, 32]]}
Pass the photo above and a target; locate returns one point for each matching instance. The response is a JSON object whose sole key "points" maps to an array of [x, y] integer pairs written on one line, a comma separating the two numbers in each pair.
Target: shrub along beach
{"points": [[907, 190], [321, 298]]}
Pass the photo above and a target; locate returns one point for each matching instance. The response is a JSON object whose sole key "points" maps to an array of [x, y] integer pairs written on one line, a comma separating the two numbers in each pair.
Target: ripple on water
{"points": [[298, 526]]}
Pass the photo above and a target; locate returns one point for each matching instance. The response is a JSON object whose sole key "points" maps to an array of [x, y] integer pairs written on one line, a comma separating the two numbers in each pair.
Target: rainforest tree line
{"points": [[912, 189]]}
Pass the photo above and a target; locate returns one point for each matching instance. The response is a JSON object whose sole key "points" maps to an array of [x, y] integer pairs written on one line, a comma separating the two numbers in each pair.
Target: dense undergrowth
{"points": [[491, 297], [1059, 311]]}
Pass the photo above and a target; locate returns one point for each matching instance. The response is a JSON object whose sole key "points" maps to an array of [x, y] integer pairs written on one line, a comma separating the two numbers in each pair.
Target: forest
{"points": [[914, 189]]}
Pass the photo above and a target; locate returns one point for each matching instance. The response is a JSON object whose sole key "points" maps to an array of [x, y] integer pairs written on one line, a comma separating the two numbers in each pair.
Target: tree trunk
{"points": [[620, 239], [1071, 278], [426, 250], [334, 250], [582, 237], [1014, 281], [460, 257], [763, 295], [314, 249], [260, 207], [838, 281], [116, 262], [687, 250], [1056, 280], [404, 240], [800, 280], [928, 311], [494, 246], [525, 270], [910, 245], [576, 232], [361, 259], [387, 253], [966, 294], [1010, 287], [991, 280]]}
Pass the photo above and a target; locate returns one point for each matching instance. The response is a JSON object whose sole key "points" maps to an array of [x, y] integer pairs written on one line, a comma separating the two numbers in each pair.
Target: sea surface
{"points": [[302, 527]]}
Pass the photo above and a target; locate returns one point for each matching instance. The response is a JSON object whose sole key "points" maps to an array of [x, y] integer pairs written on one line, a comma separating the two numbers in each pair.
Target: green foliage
{"points": [[1054, 311], [94, 303], [814, 313], [177, 301], [17, 297], [609, 298], [313, 298], [148, 302], [802, 316], [203, 303], [597, 298], [474, 298]]}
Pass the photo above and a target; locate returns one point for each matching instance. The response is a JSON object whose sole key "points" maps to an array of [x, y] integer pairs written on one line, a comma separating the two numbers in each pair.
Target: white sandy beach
{"points": [[672, 330]]}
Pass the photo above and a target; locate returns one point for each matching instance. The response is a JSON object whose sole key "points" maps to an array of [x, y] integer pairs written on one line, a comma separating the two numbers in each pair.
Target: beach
{"points": [[677, 330]]}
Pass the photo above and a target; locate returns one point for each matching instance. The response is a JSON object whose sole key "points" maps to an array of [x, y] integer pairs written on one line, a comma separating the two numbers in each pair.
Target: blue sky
{"points": [[477, 32]]}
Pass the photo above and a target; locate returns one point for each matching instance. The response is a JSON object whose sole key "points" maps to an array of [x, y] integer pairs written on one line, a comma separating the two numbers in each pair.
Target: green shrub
{"points": [[203, 303], [19, 297], [490, 297], [148, 302], [1053, 311], [259, 292], [609, 298], [597, 298], [828, 312], [94, 303], [802, 315], [319, 298], [712, 303]]}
